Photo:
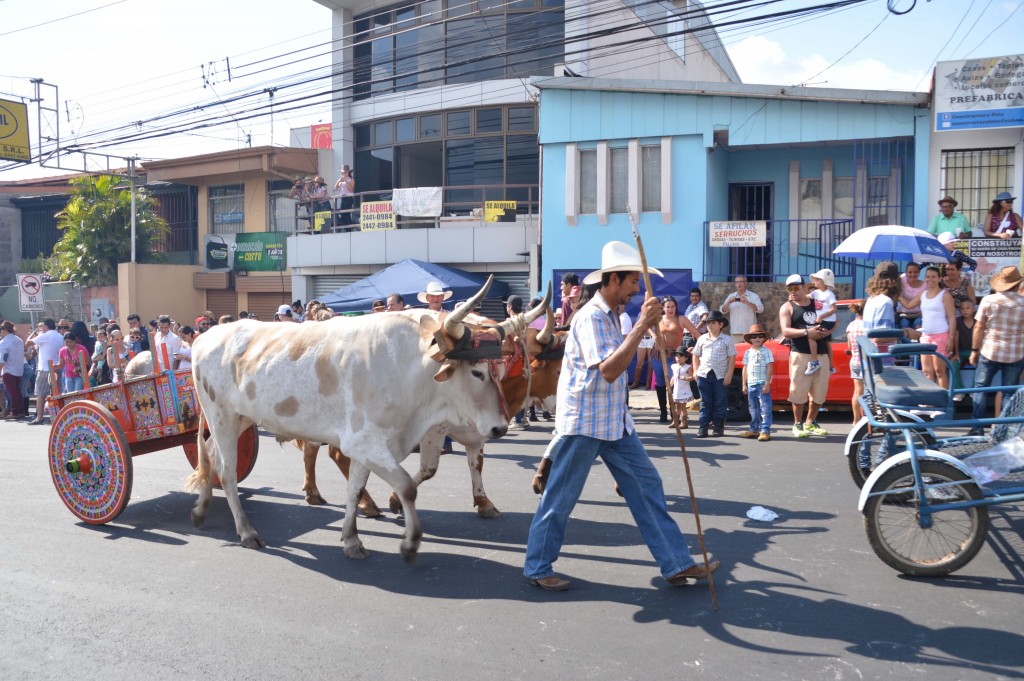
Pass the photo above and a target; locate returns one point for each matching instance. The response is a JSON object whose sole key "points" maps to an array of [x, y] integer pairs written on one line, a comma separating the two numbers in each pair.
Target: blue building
{"points": [[812, 164]]}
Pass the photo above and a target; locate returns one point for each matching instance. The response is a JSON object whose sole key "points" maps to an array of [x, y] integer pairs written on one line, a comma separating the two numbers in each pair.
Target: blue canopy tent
{"points": [[408, 278]]}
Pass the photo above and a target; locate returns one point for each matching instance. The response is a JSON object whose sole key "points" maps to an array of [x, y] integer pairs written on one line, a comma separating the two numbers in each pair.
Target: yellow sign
{"points": [[375, 215], [14, 131], [321, 218], [499, 211]]}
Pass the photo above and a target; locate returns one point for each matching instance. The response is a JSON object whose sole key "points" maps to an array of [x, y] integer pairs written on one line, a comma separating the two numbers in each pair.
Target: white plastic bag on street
{"points": [[996, 462], [763, 514]]}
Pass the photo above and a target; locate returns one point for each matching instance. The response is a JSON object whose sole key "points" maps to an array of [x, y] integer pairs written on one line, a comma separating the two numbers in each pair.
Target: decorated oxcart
{"points": [[97, 431]]}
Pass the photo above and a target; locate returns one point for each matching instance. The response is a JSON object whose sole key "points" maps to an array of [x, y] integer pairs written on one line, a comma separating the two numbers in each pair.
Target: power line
{"points": [[70, 16]]}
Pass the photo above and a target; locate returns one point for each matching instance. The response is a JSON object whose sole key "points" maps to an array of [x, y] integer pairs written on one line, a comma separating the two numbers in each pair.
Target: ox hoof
{"points": [[395, 504], [356, 552], [314, 499], [369, 509], [409, 552], [488, 512], [198, 520], [253, 541]]}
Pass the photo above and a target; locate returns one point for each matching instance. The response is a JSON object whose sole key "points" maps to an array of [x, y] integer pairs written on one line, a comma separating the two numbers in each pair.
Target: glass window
{"points": [[878, 201], [382, 65], [430, 126], [458, 162], [373, 170], [619, 179], [404, 16], [362, 58], [650, 179], [539, 42], [382, 133], [362, 135], [810, 199], [552, 3], [588, 181], [282, 209], [430, 10], [227, 209], [522, 160], [488, 120], [842, 198], [468, 41], [382, 23], [458, 8], [521, 118], [521, 4], [405, 129], [459, 123], [492, 5]]}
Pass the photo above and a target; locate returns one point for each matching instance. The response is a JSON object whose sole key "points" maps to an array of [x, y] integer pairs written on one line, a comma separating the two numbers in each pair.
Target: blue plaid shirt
{"points": [[588, 404]]}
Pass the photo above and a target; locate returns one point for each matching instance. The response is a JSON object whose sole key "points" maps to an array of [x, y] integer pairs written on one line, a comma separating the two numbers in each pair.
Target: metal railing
{"points": [[462, 202]]}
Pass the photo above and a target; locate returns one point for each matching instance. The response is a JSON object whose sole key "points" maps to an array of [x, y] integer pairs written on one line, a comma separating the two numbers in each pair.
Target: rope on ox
{"points": [[671, 402]]}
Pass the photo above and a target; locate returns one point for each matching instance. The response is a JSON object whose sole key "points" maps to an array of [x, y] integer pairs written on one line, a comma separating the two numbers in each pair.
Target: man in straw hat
{"points": [[434, 296], [592, 420], [948, 220], [998, 342]]}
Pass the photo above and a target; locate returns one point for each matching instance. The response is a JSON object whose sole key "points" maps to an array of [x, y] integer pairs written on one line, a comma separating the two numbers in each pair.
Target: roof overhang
{"points": [[284, 162]]}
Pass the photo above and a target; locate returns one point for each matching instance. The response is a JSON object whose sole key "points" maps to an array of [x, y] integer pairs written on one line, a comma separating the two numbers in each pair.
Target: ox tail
{"points": [[200, 477]]}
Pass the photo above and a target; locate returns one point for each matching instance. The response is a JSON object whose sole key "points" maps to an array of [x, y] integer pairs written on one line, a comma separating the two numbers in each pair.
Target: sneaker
{"points": [[516, 425], [764, 437], [812, 366], [833, 371], [814, 429], [748, 435], [702, 431], [977, 431], [798, 430], [718, 430]]}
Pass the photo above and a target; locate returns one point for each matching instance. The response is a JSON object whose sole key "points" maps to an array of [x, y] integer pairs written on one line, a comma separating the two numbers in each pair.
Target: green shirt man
{"points": [[949, 220]]}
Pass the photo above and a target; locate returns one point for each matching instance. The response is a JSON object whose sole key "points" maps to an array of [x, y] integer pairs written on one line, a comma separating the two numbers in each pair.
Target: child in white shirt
{"points": [[682, 374], [825, 304]]}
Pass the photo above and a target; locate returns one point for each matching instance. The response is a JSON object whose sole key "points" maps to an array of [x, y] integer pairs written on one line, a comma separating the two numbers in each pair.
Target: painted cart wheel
{"points": [[248, 449], [90, 462]]}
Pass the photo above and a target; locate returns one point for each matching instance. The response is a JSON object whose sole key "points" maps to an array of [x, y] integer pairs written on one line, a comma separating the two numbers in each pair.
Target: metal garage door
{"points": [[222, 303], [329, 283], [264, 305]]}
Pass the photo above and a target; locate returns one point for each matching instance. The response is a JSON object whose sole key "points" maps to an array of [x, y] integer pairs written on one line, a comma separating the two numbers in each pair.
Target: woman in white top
{"points": [[938, 320], [117, 354], [184, 353]]}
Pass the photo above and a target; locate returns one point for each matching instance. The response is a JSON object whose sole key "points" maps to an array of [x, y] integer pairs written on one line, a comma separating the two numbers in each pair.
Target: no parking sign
{"points": [[30, 292]]}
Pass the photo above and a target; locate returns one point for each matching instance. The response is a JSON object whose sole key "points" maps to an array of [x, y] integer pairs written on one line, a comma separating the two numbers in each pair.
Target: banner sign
{"points": [[738, 233], [30, 293], [321, 218], [246, 252], [321, 136], [417, 202], [499, 211], [14, 132], [992, 255], [971, 94], [374, 215]]}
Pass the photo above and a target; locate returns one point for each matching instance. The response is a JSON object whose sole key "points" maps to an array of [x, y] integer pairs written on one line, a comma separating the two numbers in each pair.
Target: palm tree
{"points": [[96, 226]]}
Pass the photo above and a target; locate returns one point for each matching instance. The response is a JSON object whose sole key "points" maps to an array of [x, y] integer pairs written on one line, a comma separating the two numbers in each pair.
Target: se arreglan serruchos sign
{"points": [[737, 233]]}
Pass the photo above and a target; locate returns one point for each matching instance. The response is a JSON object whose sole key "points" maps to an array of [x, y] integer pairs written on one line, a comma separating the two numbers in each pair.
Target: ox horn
{"points": [[544, 337], [453, 322], [518, 324]]}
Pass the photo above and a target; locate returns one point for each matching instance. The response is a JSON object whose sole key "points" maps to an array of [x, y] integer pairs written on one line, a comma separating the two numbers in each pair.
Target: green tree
{"points": [[96, 226]]}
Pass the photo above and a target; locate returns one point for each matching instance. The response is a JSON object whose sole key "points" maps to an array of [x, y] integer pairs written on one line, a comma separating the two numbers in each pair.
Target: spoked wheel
{"points": [[90, 462], [893, 526], [248, 449], [865, 450]]}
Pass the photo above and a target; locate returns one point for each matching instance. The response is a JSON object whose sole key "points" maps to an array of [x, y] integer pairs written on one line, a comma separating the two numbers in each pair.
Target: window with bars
{"points": [[619, 190], [973, 177], [588, 181], [878, 201], [650, 179], [227, 209]]}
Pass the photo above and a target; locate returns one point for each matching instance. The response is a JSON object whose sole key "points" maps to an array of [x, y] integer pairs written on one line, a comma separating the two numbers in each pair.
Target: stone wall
{"points": [[773, 295]]}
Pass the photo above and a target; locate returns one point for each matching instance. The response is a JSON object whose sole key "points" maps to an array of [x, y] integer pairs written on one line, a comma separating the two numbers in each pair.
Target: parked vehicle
{"points": [[840, 385]]}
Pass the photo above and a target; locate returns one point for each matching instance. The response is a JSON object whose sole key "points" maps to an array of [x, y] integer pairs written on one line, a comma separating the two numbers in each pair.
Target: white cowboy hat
{"points": [[617, 257], [433, 289]]}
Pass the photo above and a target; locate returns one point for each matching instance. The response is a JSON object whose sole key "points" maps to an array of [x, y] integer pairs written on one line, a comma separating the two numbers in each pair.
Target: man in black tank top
{"points": [[797, 317]]}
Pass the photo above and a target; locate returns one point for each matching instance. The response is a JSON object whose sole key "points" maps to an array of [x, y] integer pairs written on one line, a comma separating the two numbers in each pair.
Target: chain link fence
{"points": [[62, 299]]}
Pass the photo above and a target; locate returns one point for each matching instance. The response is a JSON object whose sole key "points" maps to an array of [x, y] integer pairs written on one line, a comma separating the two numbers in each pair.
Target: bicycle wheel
{"points": [[865, 449], [892, 521]]}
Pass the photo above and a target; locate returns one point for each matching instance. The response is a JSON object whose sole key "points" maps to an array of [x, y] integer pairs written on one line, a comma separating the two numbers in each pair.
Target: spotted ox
{"points": [[544, 352], [381, 382]]}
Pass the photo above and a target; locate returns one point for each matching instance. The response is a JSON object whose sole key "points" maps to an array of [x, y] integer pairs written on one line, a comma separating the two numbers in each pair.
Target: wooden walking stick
{"points": [[671, 403]]}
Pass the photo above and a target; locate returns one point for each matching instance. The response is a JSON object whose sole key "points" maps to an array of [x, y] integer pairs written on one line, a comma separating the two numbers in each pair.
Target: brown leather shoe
{"points": [[552, 583], [540, 479], [693, 572]]}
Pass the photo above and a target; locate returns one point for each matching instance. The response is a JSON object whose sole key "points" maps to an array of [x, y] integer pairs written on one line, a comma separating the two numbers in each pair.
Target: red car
{"points": [[840, 385]]}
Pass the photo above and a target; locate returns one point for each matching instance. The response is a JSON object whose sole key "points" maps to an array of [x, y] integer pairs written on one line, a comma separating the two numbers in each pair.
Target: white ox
{"points": [[367, 385]]}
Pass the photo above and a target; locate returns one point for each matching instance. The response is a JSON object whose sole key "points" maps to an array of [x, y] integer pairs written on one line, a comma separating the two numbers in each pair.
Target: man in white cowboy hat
{"points": [[593, 420], [949, 221], [434, 296], [997, 345]]}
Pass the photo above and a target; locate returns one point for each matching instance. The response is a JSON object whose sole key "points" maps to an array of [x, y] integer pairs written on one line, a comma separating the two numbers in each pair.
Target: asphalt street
{"points": [[804, 597]]}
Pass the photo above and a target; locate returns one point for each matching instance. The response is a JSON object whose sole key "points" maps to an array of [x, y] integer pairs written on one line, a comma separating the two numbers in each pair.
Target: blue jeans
{"points": [[1009, 374], [713, 401], [640, 484], [72, 384], [759, 401]]}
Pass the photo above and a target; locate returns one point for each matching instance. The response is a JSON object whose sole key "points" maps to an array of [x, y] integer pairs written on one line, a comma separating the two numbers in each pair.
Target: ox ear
{"points": [[446, 371]]}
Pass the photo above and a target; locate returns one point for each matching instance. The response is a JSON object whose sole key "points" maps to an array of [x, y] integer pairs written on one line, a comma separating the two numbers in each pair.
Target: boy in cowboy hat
{"points": [[998, 340], [434, 296], [949, 221], [593, 420], [758, 367], [714, 356]]}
